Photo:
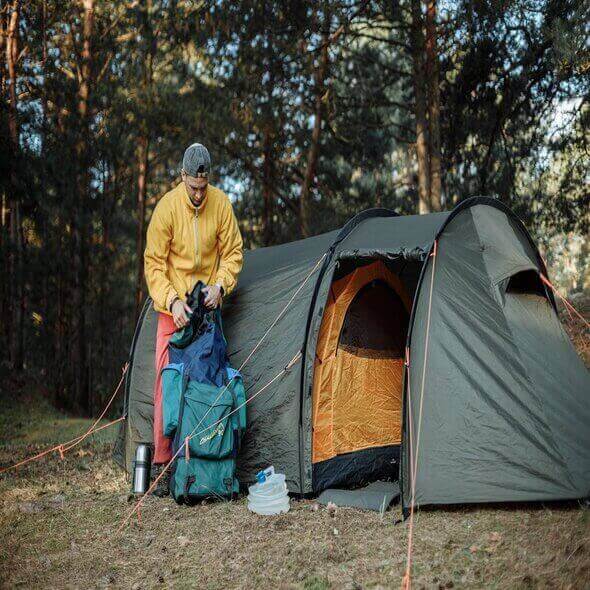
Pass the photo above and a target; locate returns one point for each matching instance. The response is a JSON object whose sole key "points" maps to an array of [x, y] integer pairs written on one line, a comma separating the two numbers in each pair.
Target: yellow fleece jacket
{"points": [[186, 244]]}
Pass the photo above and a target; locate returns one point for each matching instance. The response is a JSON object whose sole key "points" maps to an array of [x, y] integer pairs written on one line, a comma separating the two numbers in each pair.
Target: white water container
{"points": [[271, 488], [271, 507], [270, 495]]}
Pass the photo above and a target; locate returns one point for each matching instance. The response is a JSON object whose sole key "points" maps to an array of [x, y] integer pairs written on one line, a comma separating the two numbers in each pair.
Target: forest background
{"points": [[312, 112]]}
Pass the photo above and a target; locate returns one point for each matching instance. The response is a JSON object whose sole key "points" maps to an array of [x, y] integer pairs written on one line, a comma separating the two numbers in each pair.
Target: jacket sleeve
{"points": [[230, 246], [159, 237]]}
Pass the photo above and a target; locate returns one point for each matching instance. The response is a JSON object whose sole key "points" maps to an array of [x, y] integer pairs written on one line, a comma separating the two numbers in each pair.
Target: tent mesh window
{"points": [[367, 328], [526, 282]]}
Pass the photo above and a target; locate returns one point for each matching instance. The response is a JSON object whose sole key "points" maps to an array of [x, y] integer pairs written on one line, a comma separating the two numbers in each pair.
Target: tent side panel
{"points": [[273, 434], [120, 450], [560, 380], [140, 403], [484, 434], [558, 375]]}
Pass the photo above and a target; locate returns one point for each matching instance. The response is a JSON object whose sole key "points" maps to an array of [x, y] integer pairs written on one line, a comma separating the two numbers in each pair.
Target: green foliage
{"points": [[242, 78], [505, 96]]}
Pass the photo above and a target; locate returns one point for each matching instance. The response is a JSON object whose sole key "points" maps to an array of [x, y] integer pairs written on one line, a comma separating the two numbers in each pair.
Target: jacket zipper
{"points": [[196, 226]]}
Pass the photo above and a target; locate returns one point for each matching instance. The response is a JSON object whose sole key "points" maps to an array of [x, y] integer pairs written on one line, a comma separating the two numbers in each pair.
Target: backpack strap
{"points": [[229, 483], [190, 480], [237, 432], [176, 441]]}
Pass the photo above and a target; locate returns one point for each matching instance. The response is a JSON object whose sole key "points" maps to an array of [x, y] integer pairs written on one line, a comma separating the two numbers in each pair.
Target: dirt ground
{"points": [[59, 520]]}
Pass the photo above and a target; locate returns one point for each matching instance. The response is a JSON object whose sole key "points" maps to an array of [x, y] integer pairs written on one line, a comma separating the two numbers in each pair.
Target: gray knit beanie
{"points": [[196, 161]]}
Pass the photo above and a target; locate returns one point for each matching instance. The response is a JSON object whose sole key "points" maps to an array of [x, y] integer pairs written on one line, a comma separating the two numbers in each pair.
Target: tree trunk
{"points": [[142, 173], [15, 294], [432, 80], [150, 47], [44, 103], [4, 18], [81, 222], [47, 302], [320, 73], [109, 204], [4, 300], [268, 164], [417, 43], [267, 188], [11, 60], [18, 354], [60, 369]]}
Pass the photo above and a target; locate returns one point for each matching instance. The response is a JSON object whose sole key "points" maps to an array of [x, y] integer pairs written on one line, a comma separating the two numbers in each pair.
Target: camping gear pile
{"points": [[269, 495], [488, 398], [203, 408]]}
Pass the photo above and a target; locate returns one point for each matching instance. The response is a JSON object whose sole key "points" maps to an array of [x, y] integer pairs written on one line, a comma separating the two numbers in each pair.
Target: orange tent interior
{"points": [[359, 364]]}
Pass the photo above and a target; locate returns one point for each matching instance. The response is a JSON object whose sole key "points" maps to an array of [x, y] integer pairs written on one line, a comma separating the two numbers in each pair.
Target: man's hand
{"points": [[180, 313], [212, 296]]}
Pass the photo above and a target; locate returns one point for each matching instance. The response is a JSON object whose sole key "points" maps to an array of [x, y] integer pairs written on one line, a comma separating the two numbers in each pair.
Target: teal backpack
{"points": [[204, 398], [205, 411]]}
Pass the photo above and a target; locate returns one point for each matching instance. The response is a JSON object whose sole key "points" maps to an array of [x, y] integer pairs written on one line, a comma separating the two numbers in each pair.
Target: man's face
{"points": [[195, 187]]}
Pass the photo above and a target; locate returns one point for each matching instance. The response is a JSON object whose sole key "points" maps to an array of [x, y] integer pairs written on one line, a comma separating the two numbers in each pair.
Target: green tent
{"points": [[494, 398]]}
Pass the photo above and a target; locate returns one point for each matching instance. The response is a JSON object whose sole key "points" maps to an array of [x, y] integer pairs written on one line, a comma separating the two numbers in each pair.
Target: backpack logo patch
{"points": [[218, 431]]}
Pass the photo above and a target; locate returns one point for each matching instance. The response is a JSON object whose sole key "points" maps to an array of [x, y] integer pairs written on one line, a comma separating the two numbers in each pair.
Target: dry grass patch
{"points": [[58, 523]]}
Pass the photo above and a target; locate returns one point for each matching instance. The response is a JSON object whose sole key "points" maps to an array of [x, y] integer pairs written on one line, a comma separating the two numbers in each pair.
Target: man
{"points": [[193, 235]]}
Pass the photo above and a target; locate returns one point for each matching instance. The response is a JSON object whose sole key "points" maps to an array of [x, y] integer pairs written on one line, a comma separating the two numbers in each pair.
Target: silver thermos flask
{"points": [[141, 469]]}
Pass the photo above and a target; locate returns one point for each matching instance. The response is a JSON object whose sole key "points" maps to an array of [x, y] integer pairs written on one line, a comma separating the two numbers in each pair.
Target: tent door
{"points": [[358, 379]]}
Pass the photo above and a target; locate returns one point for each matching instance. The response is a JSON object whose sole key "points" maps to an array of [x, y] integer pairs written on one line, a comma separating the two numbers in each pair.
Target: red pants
{"points": [[162, 445]]}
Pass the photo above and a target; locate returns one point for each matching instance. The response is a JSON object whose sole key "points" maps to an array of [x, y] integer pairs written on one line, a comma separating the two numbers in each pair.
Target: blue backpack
{"points": [[204, 398]]}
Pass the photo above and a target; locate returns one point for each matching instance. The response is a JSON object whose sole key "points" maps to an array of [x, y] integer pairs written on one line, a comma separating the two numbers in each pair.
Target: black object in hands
{"points": [[196, 301]]}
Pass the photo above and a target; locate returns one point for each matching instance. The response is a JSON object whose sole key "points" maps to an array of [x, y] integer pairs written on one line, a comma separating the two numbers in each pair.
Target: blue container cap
{"points": [[262, 476]]}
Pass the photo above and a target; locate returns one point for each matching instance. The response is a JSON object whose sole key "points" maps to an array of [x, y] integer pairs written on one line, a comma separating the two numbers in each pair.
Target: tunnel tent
{"points": [[499, 392]]}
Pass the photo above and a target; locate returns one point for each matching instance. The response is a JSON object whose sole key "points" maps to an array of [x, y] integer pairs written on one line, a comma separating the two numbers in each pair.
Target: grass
{"points": [[59, 520], [27, 419]]}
